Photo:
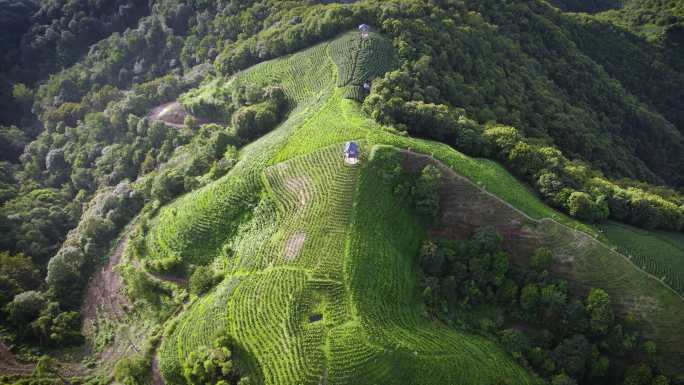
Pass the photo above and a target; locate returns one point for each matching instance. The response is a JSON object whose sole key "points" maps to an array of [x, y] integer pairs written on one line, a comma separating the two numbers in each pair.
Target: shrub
{"points": [[132, 371], [202, 280], [167, 185], [426, 192]]}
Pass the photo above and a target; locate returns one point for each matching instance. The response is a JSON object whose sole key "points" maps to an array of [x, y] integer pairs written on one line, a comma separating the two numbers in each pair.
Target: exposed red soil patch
{"points": [[9, 363], [173, 114], [104, 291], [464, 208], [157, 378], [294, 244]]}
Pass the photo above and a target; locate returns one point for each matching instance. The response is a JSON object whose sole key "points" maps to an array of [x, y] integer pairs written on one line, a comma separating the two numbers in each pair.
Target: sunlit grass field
{"points": [[320, 280]]}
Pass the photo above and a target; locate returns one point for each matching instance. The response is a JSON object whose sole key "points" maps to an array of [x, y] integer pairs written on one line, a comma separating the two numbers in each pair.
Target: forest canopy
{"points": [[583, 101]]}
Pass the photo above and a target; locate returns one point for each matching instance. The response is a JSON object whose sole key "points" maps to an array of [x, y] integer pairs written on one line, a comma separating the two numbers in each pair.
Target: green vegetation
{"points": [[660, 253], [298, 256], [471, 283], [655, 20], [278, 246], [266, 259], [370, 58]]}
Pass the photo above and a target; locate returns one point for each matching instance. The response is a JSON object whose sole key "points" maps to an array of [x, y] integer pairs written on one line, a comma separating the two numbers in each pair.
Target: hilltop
{"points": [[515, 215]]}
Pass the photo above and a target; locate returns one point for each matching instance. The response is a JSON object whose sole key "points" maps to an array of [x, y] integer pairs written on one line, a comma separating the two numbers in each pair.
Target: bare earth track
{"points": [[104, 290], [9, 363]]}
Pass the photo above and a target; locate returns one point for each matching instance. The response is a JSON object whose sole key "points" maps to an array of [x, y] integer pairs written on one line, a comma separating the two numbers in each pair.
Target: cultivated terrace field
{"points": [[319, 256], [227, 234]]}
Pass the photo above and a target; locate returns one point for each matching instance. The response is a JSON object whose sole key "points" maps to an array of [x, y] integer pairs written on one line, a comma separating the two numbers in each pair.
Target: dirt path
{"points": [[171, 113], [9, 363], [105, 297], [582, 238], [156, 375], [104, 291]]}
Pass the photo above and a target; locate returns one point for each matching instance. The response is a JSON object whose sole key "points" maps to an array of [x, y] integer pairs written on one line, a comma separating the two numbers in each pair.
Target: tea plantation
{"points": [[319, 256]]}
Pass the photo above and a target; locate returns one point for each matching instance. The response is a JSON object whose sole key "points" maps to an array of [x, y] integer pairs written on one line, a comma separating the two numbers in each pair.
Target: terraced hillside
{"points": [[661, 253], [302, 303], [320, 283]]}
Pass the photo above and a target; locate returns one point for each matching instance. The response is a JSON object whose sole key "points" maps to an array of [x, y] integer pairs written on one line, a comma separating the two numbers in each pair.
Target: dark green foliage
{"points": [[210, 366], [64, 274], [473, 271], [589, 6], [202, 280], [582, 192], [17, 274], [601, 316], [25, 308], [56, 328], [562, 339], [541, 260], [59, 34], [143, 290], [65, 329], [167, 185], [322, 23], [132, 371], [37, 221], [571, 355], [515, 342], [69, 269], [563, 379], [426, 192], [261, 115], [591, 102], [582, 206], [654, 19], [12, 142], [420, 188]]}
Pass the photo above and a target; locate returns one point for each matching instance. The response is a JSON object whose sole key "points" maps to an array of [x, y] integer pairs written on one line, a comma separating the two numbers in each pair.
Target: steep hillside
{"points": [[305, 238], [514, 215], [327, 245]]}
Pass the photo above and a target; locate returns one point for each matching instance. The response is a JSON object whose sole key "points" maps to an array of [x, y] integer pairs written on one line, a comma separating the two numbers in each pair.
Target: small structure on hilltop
{"points": [[364, 28], [351, 153], [367, 87]]}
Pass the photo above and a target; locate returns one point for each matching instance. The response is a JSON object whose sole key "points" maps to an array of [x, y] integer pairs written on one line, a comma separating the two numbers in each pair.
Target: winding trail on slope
{"points": [[582, 259], [104, 298], [450, 172]]}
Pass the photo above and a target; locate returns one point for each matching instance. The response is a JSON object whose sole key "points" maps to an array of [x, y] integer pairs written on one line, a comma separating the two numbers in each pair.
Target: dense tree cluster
{"points": [[581, 191], [655, 19], [591, 104], [18, 274], [253, 120], [575, 46], [547, 88], [536, 318], [590, 6], [43, 37], [419, 187], [212, 366]]}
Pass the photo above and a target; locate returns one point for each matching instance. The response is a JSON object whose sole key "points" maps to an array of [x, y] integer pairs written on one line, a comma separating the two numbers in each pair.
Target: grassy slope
{"points": [[351, 261], [659, 252]]}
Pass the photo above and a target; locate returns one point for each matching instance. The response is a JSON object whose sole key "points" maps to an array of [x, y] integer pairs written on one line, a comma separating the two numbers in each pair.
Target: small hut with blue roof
{"points": [[364, 28], [351, 153]]}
